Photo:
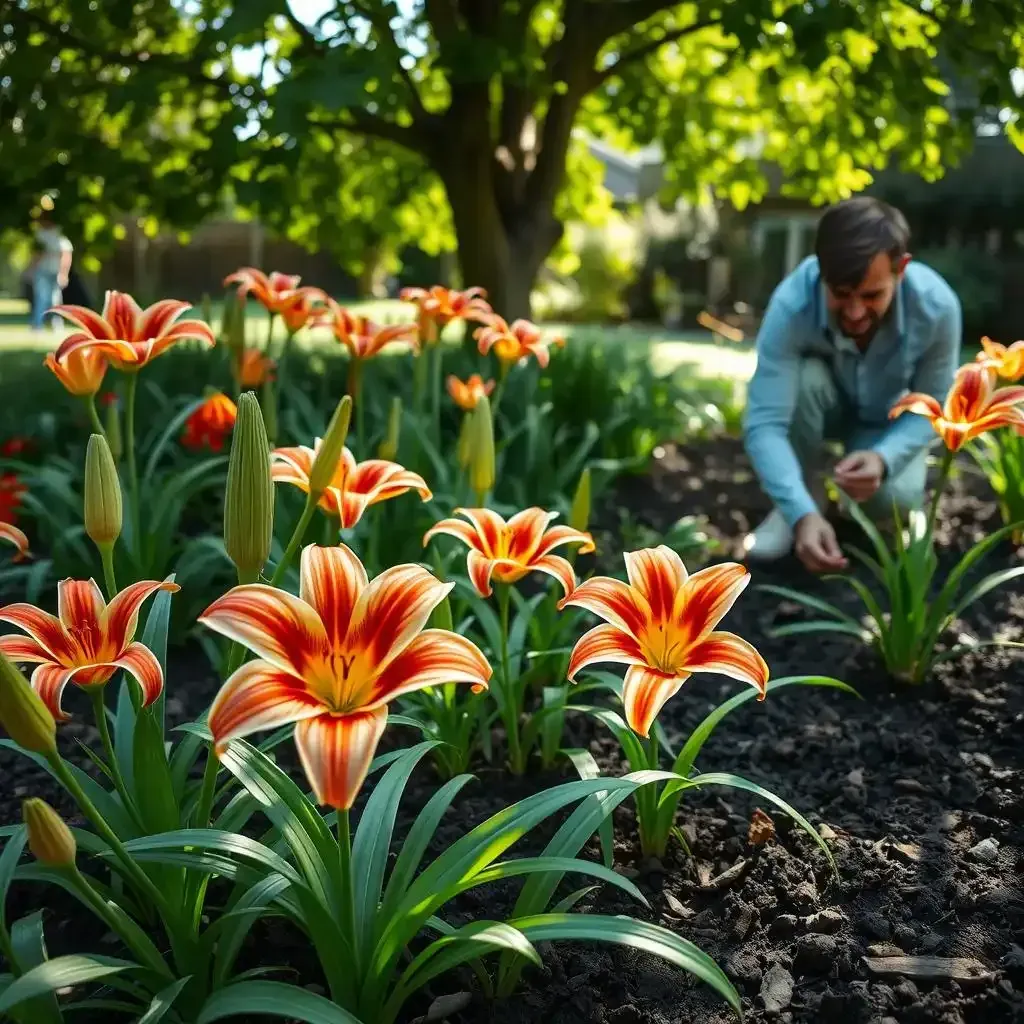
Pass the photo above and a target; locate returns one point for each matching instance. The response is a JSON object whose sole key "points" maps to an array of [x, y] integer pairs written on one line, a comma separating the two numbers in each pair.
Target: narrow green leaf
{"points": [[29, 947], [809, 601], [13, 849], [61, 972], [154, 636], [273, 999], [163, 1001]]}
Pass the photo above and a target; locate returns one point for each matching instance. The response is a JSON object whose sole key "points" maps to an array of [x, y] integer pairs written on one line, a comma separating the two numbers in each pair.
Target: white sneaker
{"points": [[772, 540]]}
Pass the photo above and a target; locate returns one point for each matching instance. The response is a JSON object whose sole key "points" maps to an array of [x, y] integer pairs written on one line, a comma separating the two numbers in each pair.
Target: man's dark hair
{"points": [[852, 233]]}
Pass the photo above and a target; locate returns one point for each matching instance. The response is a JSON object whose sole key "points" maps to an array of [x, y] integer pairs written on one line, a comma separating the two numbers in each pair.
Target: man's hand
{"points": [[860, 474], [816, 545]]}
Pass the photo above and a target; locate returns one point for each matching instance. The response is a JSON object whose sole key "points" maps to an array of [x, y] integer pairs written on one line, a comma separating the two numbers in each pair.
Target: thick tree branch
{"points": [[645, 50]]}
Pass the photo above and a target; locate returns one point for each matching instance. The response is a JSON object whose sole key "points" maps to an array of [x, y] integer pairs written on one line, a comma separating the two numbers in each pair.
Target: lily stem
{"points": [[99, 710], [109, 579], [510, 701], [940, 486], [294, 541], [130, 387], [94, 416], [348, 892]]}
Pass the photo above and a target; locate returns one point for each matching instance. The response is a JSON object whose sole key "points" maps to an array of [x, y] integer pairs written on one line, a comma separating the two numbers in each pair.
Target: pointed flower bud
{"points": [[388, 448], [269, 402], [328, 455], [464, 447], [481, 467], [23, 715], [49, 838], [249, 497], [102, 494], [579, 514], [113, 428]]}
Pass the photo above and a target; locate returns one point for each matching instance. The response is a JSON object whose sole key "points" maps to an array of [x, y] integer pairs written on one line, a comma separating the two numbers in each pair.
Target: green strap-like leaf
{"points": [[273, 999], [61, 972], [809, 601], [29, 947], [163, 1001], [13, 849]]}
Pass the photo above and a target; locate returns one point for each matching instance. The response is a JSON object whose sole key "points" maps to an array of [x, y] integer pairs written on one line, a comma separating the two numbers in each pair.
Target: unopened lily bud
{"points": [[441, 616], [388, 448], [49, 838], [269, 403], [249, 496], [464, 447], [579, 514], [328, 455], [102, 494], [23, 715], [112, 426], [481, 466]]}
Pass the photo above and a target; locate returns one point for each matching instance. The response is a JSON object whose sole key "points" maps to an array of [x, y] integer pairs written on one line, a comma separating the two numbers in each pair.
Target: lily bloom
{"points": [[301, 307], [355, 485], [362, 337], [331, 659], [662, 625], [973, 406], [466, 394], [439, 306], [272, 292], [515, 342], [86, 642], [1007, 361], [129, 337], [80, 372], [15, 536], [254, 368], [11, 490], [508, 551], [210, 423]]}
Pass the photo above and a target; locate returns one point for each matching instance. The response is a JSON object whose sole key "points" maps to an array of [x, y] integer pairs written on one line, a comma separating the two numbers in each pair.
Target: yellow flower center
{"points": [[664, 647]]}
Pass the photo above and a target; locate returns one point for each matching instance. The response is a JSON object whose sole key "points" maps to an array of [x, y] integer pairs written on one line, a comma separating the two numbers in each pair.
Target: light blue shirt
{"points": [[916, 348]]}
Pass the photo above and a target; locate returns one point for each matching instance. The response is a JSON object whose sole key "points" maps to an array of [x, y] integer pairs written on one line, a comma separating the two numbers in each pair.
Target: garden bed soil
{"points": [[919, 793]]}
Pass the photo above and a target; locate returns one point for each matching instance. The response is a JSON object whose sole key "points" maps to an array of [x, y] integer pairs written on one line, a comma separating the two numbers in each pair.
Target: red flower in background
{"points": [[15, 446], [210, 424], [11, 490], [108, 398]]}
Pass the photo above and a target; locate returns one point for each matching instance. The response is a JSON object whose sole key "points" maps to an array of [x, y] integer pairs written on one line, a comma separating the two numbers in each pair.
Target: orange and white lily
{"points": [[439, 306], [973, 406], [466, 394], [662, 625], [210, 423], [126, 335], [302, 307], [514, 342], [331, 659], [1006, 360], [86, 642], [507, 552], [254, 368], [11, 533], [81, 372], [273, 291], [355, 485], [361, 336]]}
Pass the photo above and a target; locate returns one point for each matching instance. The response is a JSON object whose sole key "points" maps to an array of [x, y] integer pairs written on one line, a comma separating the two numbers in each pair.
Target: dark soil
{"points": [[904, 785]]}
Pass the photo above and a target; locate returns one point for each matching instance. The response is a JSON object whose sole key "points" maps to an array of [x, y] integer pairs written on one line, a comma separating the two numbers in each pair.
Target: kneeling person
{"points": [[852, 329]]}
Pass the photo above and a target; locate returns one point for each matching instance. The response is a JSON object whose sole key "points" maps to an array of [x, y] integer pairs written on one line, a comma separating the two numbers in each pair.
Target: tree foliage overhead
{"points": [[158, 103]]}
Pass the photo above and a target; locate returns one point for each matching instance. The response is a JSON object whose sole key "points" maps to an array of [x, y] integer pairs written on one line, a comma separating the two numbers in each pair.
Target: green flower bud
{"points": [[464, 447], [102, 494], [113, 428], [49, 838], [24, 716], [481, 466], [270, 410], [249, 497], [388, 448], [579, 514], [329, 453]]}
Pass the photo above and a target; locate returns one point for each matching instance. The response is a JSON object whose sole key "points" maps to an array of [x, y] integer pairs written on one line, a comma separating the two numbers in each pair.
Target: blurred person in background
{"points": [[51, 266], [850, 331]]}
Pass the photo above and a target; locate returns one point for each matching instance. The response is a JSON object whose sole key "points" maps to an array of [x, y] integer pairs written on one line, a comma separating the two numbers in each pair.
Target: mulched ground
{"points": [[919, 794]]}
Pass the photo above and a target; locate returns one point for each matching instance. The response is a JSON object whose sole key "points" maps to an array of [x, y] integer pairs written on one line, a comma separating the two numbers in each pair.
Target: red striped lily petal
{"points": [[392, 610], [194, 330], [276, 625], [525, 530], [117, 351], [916, 402], [88, 320], [489, 527], [330, 581], [347, 505], [1004, 397], [123, 313], [141, 663], [434, 657], [729, 655], [121, 618], [604, 643], [23, 649], [560, 568], [453, 528], [480, 568], [279, 282], [380, 480], [259, 696], [659, 574], [336, 752], [80, 604], [990, 421], [562, 534], [44, 628], [155, 320], [614, 601], [706, 597], [645, 692], [49, 680], [17, 537]]}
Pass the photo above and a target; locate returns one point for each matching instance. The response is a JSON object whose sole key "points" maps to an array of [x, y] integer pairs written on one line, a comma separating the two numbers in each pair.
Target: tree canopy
{"points": [[334, 115]]}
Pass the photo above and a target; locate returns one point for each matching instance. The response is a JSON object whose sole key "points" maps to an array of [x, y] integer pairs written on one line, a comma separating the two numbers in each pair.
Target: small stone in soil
{"points": [[875, 925], [827, 922], [879, 949], [987, 851], [826, 832], [804, 896], [676, 907], [776, 989], [783, 926], [964, 970], [744, 921], [762, 828], [816, 953], [744, 968], [908, 786]]}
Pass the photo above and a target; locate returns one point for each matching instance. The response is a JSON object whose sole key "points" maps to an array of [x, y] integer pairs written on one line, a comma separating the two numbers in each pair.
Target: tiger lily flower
{"points": [[331, 659], [129, 337], [273, 291], [362, 337], [355, 485], [254, 369], [11, 533], [81, 372], [86, 642], [301, 308], [973, 406], [439, 306], [210, 423], [1007, 361], [662, 625], [466, 394], [515, 342], [506, 552]]}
